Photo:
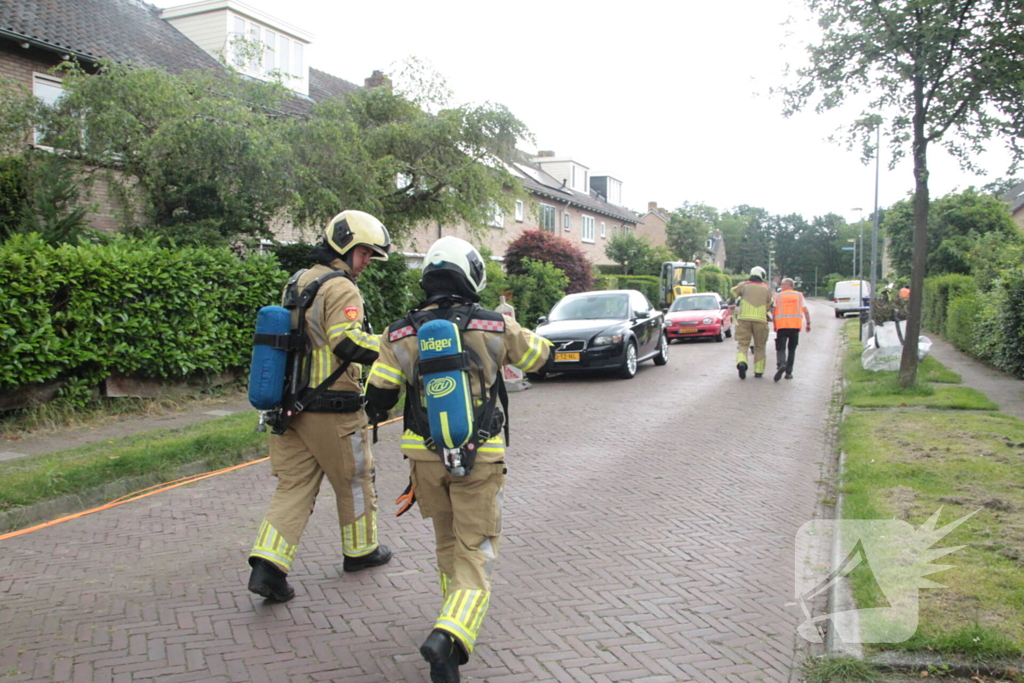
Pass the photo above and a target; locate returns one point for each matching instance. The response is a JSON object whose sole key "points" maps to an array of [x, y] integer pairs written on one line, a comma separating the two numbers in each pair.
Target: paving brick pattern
{"points": [[649, 527]]}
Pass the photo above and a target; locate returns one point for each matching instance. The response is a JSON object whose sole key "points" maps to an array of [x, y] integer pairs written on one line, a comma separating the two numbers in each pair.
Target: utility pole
{"points": [[874, 225]]}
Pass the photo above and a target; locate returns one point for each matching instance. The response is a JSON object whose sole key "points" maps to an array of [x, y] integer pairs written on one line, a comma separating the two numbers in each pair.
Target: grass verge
{"points": [[220, 442], [907, 464]]}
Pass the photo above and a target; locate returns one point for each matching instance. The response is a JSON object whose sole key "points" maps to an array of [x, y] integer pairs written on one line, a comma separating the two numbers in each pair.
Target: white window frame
{"points": [[497, 217], [270, 38], [297, 57], [587, 229], [566, 221], [50, 81], [549, 211], [520, 211], [604, 230]]}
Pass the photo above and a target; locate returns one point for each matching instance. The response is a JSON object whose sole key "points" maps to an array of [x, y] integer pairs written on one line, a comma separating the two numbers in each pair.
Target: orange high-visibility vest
{"points": [[788, 313]]}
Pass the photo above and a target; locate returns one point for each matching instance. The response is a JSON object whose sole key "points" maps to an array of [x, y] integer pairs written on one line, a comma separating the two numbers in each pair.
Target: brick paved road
{"points": [[649, 532]]}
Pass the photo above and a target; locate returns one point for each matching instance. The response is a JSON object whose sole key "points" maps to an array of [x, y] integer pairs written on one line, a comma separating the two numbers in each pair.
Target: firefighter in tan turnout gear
{"points": [[328, 436], [754, 301], [464, 504]]}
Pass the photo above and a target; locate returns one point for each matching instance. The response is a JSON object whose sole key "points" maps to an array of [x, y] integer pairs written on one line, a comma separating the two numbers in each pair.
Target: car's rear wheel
{"points": [[662, 356], [628, 369], [838, 314]]}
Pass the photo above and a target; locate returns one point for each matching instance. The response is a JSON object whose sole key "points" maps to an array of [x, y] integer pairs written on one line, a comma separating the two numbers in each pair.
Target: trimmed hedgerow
{"points": [[82, 312], [938, 292]]}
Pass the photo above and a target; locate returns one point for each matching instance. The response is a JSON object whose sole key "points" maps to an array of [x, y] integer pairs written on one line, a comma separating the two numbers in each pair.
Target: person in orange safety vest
{"points": [[789, 315]]}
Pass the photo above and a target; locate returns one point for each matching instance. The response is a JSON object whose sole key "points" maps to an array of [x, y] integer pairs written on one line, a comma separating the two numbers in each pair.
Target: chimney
{"points": [[545, 153], [652, 207], [376, 80]]}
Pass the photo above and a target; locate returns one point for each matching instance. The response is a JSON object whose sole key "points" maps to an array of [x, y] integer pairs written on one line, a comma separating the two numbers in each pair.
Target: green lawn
{"points": [[915, 452], [219, 442]]}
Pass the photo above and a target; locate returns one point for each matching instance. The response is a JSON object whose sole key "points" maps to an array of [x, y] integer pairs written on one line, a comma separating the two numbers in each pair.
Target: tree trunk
{"points": [[908, 362]]}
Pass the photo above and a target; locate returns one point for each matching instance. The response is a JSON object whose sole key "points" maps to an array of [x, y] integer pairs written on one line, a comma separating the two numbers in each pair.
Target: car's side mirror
{"points": [[542, 319], [723, 305], [642, 314], [665, 310]]}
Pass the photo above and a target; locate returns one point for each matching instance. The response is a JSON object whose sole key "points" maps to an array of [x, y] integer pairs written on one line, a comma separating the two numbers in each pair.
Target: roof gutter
{"points": [[49, 47]]}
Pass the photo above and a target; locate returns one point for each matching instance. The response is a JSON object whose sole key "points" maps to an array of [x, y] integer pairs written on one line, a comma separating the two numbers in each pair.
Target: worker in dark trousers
{"points": [[789, 316]]}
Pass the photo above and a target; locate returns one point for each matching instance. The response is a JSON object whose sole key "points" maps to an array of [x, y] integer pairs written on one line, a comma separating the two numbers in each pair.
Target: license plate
{"points": [[687, 330], [567, 356], [842, 299]]}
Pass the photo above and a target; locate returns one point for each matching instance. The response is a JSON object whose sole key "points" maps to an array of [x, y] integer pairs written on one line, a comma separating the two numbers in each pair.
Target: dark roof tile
{"points": [[127, 31]]}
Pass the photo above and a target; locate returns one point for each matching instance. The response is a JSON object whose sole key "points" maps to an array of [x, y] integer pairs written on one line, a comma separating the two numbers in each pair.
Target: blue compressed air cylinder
{"points": [[448, 394], [266, 374]]}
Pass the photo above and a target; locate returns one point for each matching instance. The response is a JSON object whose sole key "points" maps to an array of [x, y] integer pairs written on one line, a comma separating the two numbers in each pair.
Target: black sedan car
{"points": [[609, 330]]}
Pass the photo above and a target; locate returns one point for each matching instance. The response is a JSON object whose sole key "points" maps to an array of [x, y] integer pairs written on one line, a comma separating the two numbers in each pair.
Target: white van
{"points": [[849, 296]]}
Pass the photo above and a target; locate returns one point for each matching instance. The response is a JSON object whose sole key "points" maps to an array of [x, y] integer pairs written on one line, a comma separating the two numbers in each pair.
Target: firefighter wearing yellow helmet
{"points": [[327, 438], [755, 300]]}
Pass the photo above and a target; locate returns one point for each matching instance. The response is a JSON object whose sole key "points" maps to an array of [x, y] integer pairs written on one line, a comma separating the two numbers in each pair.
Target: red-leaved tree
{"points": [[562, 254]]}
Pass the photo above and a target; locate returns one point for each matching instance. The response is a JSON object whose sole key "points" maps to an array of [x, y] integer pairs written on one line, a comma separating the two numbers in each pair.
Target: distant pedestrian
{"points": [[905, 294], [789, 316], [755, 299]]}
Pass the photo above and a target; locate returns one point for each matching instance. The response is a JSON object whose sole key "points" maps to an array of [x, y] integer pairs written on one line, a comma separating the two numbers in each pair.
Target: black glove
{"points": [[377, 414]]}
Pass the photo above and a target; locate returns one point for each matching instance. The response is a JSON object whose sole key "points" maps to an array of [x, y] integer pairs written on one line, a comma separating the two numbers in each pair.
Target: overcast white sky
{"points": [[669, 96]]}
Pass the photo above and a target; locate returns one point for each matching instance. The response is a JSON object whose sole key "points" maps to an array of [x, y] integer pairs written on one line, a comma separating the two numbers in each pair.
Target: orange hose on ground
{"points": [[145, 493]]}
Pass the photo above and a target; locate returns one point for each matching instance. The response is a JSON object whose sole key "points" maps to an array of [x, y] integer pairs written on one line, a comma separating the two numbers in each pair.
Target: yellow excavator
{"points": [[677, 278]]}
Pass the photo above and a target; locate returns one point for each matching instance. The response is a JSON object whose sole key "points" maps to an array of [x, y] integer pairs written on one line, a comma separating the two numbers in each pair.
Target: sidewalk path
{"points": [[1004, 389], [649, 527]]}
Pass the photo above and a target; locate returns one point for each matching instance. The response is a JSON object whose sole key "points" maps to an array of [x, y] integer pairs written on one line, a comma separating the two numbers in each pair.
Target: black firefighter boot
{"points": [[444, 655], [269, 581], [382, 555]]}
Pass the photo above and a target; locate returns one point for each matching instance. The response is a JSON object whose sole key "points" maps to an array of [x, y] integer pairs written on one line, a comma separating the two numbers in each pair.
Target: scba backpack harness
{"points": [[279, 375], [445, 415]]}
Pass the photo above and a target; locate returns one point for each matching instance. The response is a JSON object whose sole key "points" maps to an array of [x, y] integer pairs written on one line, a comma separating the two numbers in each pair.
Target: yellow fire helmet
{"points": [[351, 228]]}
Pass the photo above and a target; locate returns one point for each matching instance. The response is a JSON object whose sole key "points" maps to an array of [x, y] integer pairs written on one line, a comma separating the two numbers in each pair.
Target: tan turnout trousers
{"points": [[320, 444]]}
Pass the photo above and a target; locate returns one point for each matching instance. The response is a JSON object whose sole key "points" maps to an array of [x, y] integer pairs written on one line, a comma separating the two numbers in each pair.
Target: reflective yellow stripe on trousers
{"points": [[360, 537], [462, 615], [270, 545]]}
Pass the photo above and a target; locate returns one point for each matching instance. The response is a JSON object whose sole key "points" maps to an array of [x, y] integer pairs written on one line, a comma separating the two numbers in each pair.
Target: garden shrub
{"points": [[938, 292], [536, 291], [82, 312], [562, 254], [712, 279], [1009, 329], [962, 321]]}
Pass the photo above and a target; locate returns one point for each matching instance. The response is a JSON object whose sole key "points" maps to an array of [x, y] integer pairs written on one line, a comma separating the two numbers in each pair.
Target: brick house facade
{"points": [[584, 218]]}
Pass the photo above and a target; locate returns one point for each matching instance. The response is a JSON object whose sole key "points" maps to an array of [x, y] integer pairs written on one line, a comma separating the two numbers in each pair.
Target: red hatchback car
{"points": [[699, 315]]}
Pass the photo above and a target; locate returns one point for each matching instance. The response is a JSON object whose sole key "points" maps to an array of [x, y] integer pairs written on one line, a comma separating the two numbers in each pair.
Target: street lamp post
{"points": [[771, 253], [874, 225]]}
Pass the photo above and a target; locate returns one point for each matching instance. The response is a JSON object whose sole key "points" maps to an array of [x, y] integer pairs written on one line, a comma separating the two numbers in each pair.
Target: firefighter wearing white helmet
{"points": [[465, 507], [755, 300], [327, 438]]}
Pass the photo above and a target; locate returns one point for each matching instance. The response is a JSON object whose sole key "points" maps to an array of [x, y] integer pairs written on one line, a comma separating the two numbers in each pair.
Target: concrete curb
{"points": [[48, 510]]}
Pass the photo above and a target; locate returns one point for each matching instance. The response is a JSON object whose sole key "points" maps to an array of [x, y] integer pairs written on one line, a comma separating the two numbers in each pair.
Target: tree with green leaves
{"points": [[688, 228], [629, 251], [214, 157], [955, 222], [939, 71]]}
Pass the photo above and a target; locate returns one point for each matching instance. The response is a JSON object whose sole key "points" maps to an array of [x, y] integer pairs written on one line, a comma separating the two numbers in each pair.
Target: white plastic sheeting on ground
{"points": [[883, 347]]}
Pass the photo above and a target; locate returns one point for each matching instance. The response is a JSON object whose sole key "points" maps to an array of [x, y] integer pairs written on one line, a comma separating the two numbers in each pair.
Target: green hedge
{"points": [[83, 312], [712, 279], [963, 319], [938, 292]]}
